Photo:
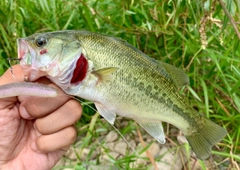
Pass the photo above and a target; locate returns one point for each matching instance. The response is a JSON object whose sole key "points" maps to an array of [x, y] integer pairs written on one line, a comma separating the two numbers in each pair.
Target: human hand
{"points": [[35, 132]]}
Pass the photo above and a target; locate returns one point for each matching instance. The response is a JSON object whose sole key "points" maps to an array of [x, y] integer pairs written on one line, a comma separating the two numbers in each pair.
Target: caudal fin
{"points": [[203, 141]]}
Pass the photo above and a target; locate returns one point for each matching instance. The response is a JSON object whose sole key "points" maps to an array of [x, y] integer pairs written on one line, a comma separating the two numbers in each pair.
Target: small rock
{"points": [[124, 124], [110, 146], [71, 154], [111, 136], [101, 167], [60, 163], [146, 136], [137, 139], [163, 150], [210, 164], [121, 148], [132, 143], [86, 152], [149, 140], [173, 131], [193, 155], [154, 149], [194, 165], [105, 157], [171, 160], [181, 139], [103, 133], [114, 154], [128, 138], [68, 163], [140, 161], [168, 162]]}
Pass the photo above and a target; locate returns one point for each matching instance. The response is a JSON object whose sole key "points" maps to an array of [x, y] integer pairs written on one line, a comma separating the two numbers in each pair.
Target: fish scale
{"points": [[139, 79], [120, 80]]}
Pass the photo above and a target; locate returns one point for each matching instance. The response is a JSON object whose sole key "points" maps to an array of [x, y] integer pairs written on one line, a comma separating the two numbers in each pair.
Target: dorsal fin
{"points": [[179, 77]]}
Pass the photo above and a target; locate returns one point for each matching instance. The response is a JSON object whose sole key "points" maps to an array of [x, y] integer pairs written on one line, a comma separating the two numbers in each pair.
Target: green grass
{"points": [[191, 36]]}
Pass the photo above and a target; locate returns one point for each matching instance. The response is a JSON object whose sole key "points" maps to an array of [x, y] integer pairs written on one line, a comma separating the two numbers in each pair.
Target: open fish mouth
{"points": [[25, 53], [27, 58]]}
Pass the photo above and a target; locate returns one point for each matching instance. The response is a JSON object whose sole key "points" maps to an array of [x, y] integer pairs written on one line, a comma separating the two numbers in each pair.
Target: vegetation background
{"points": [[199, 37]]}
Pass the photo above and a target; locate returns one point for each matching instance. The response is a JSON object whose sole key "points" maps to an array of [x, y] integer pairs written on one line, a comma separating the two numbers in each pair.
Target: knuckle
{"points": [[33, 107], [40, 128], [41, 146], [71, 134], [75, 109]]}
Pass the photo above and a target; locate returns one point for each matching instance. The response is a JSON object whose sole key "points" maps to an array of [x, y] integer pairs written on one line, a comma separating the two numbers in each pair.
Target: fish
{"points": [[120, 80]]}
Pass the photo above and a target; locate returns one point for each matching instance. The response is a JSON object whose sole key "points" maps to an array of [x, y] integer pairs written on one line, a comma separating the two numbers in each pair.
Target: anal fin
{"points": [[155, 129], [107, 114]]}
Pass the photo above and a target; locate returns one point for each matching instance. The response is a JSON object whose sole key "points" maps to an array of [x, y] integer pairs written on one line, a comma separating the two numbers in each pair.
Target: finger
{"points": [[55, 141], [35, 107], [8, 77], [63, 117]]}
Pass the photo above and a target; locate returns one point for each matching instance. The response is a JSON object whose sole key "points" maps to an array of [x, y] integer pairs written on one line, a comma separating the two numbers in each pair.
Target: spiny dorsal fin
{"points": [[178, 75], [105, 74]]}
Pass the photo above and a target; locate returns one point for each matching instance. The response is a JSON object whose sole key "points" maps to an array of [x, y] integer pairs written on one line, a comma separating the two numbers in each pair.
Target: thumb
{"points": [[14, 75], [9, 77]]}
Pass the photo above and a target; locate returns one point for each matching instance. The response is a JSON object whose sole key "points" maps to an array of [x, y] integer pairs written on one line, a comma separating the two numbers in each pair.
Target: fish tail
{"points": [[203, 141]]}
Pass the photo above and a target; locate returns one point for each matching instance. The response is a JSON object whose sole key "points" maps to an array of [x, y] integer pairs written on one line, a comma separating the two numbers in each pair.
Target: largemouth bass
{"points": [[120, 80]]}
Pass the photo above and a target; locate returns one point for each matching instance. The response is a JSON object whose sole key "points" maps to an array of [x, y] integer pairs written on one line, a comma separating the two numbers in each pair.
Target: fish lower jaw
{"points": [[31, 74]]}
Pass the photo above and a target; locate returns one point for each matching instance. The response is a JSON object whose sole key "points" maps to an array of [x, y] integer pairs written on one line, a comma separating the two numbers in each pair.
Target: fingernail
{"points": [[24, 113]]}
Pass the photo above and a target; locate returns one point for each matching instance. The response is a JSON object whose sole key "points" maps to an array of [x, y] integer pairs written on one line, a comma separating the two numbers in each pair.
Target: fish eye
{"points": [[41, 41]]}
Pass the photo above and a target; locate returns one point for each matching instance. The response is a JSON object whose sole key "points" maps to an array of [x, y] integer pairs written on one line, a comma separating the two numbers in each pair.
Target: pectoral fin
{"points": [[105, 74], [155, 129], [107, 114], [179, 77]]}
